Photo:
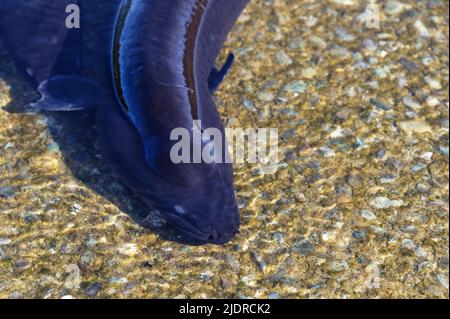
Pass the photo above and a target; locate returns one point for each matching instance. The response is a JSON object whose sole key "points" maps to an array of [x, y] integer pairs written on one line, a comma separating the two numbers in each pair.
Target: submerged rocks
{"points": [[382, 202]]}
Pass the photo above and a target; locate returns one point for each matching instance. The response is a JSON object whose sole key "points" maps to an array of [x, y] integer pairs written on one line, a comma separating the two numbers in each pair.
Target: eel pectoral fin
{"points": [[67, 93], [216, 77]]}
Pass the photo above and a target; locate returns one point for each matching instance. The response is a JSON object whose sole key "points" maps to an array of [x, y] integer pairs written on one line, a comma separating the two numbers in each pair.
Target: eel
{"points": [[153, 71]]}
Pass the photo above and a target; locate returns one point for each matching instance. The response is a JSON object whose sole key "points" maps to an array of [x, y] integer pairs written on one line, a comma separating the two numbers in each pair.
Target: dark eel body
{"points": [[154, 71]]}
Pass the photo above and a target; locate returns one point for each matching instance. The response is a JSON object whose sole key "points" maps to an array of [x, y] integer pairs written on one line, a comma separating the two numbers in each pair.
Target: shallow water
{"points": [[357, 208]]}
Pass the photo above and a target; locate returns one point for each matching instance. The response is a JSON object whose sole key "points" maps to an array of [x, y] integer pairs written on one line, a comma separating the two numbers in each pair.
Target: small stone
{"points": [[411, 102], [7, 192], [427, 156], [249, 280], [249, 105], [259, 261], [303, 246], [309, 73], [442, 280], [395, 7], [273, 295], [340, 52], [422, 188], [415, 127], [328, 236], [380, 153], [410, 229], [443, 150], [432, 83], [21, 264], [408, 244], [388, 178], [379, 104], [409, 65], [233, 262], [225, 283], [338, 266], [265, 96], [318, 42], [355, 181], [382, 202], [421, 29], [367, 214], [5, 241], [369, 45], [93, 290], [359, 235], [128, 249], [30, 217], [87, 259], [278, 237], [327, 152], [345, 2], [418, 167], [118, 280], [283, 58], [343, 34], [432, 101], [295, 87]]}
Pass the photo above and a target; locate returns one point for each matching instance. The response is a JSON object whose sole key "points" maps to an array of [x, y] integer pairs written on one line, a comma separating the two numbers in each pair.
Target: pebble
{"points": [[283, 58], [418, 167], [87, 259], [359, 235], [379, 104], [278, 237], [249, 280], [30, 217], [344, 113], [21, 264], [387, 179], [259, 261], [295, 87], [93, 290], [382, 202], [343, 34], [7, 192], [411, 102], [367, 214], [395, 7], [225, 283], [303, 246], [408, 244], [266, 96], [309, 73], [345, 2], [369, 45], [5, 241], [338, 266], [409, 65], [443, 150], [422, 188], [415, 127], [442, 280], [328, 235], [128, 249], [249, 105], [421, 29], [273, 295], [432, 83], [327, 152], [432, 101]]}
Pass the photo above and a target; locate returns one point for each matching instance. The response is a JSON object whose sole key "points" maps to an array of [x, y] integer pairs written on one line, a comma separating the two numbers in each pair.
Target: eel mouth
{"points": [[186, 228]]}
